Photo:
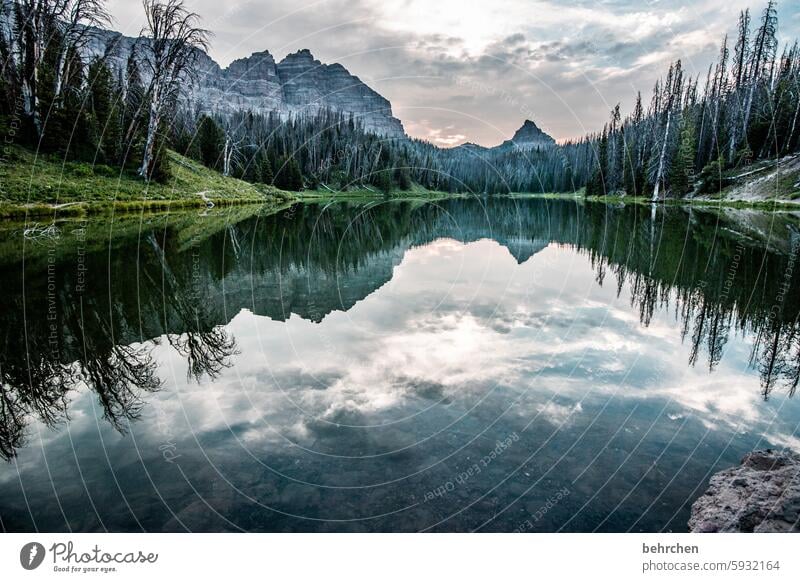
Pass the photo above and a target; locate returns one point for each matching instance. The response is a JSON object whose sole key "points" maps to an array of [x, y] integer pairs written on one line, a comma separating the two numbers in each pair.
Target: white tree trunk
{"points": [[794, 125], [662, 158], [152, 130], [226, 157], [60, 73], [30, 86]]}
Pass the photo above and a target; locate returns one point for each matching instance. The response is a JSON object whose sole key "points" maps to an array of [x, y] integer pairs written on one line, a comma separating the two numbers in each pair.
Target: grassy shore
{"points": [[773, 204], [69, 235], [33, 185], [767, 185], [46, 186], [416, 192]]}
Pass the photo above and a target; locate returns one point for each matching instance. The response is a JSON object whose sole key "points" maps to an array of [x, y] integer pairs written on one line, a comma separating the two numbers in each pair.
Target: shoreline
{"points": [[770, 205], [75, 209], [14, 211]]}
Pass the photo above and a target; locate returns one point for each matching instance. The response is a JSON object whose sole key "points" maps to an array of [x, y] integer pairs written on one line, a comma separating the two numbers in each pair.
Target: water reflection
{"points": [[333, 367]]}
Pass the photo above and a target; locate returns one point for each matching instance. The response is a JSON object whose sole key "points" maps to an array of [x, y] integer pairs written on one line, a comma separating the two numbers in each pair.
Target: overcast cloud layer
{"points": [[465, 70]]}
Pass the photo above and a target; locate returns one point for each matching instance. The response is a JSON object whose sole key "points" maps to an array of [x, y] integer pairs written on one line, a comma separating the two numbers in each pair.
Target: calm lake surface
{"points": [[492, 365]]}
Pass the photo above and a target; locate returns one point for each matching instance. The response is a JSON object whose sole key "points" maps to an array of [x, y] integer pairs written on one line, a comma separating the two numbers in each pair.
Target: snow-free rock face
{"points": [[529, 136], [760, 495], [297, 85]]}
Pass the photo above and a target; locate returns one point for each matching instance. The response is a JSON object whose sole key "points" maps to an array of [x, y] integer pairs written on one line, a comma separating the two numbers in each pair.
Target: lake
{"points": [[469, 364]]}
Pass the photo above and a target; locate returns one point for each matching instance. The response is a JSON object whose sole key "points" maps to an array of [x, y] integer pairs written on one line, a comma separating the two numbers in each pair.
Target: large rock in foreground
{"points": [[760, 495]]}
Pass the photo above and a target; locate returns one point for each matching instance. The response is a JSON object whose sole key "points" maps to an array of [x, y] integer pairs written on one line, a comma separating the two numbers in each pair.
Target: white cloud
{"points": [[563, 63]]}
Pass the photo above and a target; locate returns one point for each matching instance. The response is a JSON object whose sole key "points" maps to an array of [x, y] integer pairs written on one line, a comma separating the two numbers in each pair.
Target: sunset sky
{"points": [[465, 70]]}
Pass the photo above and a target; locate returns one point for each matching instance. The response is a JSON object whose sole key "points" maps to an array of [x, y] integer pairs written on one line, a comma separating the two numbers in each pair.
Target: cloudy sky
{"points": [[467, 70]]}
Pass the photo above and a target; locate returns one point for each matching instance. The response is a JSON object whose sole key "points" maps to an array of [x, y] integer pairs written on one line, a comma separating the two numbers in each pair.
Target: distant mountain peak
{"points": [[468, 145], [529, 136], [302, 54]]}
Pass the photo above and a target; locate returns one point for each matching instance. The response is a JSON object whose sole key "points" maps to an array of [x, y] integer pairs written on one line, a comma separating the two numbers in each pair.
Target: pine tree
{"points": [[265, 170], [629, 173], [682, 170], [105, 122], [596, 186], [210, 141], [288, 175]]}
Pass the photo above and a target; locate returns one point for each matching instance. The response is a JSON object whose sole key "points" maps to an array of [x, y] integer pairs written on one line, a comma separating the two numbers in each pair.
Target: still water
{"points": [[490, 365]]}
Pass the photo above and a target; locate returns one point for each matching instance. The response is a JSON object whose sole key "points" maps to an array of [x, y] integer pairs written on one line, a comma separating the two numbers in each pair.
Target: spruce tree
{"points": [[402, 178], [288, 175], [682, 170], [105, 123], [596, 186], [629, 183], [210, 142], [294, 175], [132, 113], [265, 170]]}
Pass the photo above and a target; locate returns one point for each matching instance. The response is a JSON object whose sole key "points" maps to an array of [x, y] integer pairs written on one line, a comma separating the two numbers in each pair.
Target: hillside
{"points": [[767, 180], [28, 182]]}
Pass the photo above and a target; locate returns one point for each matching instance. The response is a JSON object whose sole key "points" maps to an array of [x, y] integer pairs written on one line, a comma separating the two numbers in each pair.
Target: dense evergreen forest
{"points": [[693, 133], [746, 111]]}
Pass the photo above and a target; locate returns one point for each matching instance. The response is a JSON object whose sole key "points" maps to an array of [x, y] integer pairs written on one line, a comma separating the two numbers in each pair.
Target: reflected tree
{"points": [[120, 379], [310, 260], [206, 353]]}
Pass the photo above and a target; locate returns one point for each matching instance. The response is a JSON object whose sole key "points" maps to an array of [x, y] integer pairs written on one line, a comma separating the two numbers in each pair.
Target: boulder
{"points": [[760, 495]]}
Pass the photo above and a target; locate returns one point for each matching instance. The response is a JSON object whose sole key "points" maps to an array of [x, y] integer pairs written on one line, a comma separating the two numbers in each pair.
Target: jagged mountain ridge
{"points": [[298, 85], [295, 86]]}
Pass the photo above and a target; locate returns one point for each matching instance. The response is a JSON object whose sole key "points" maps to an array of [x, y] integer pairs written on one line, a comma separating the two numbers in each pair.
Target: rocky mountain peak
{"points": [[298, 85], [260, 65], [301, 55], [529, 136]]}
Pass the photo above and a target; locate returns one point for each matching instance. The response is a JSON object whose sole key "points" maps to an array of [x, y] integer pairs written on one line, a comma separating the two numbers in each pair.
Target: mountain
{"points": [[297, 85], [469, 146], [529, 136]]}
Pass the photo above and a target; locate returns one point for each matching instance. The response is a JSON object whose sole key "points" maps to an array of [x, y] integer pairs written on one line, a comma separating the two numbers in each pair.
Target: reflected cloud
{"points": [[360, 355]]}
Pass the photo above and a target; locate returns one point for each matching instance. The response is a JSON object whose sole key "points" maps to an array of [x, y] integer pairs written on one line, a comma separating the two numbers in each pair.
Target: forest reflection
{"points": [[89, 315]]}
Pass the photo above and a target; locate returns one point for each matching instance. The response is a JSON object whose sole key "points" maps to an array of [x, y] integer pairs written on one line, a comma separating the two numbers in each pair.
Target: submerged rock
{"points": [[760, 495]]}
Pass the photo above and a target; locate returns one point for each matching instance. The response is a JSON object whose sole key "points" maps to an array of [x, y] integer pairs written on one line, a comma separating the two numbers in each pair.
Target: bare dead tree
{"points": [[75, 30], [120, 379], [38, 26], [174, 41], [207, 353]]}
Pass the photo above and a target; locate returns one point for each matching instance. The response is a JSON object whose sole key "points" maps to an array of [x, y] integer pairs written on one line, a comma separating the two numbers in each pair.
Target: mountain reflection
{"points": [[90, 314]]}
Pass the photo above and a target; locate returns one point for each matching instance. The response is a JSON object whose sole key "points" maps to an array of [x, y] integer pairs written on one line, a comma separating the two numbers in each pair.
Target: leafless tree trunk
{"points": [[171, 49], [75, 32], [38, 22], [662, 157]]}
